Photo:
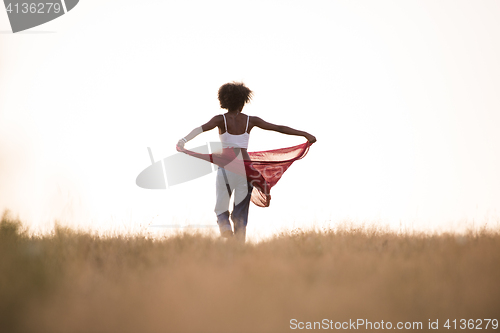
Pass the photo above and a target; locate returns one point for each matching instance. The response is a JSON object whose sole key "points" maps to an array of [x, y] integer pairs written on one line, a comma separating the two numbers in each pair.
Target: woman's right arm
{"points": [[281, 129]]}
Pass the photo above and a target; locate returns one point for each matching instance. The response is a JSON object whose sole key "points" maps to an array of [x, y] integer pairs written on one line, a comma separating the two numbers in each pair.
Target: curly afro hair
{"points": [[233, 96]]}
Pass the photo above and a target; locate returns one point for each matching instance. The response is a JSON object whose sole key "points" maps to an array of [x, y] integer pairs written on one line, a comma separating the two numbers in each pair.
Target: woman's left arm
{"points": [[203, 128]]}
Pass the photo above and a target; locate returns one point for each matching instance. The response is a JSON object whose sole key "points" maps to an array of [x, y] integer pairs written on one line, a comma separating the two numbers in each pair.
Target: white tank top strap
{"points": [[248, 118], [225, 124]]}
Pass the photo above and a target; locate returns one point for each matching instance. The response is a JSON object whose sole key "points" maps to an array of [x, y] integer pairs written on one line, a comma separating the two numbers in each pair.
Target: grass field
{"points": [[70, 281]]}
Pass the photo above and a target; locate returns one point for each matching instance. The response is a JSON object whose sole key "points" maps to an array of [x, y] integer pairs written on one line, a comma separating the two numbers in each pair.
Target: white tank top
{"points": [[234, 141]]}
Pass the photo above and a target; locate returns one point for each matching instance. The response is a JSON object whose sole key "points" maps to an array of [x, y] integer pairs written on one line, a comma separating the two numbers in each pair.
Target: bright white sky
{"points": [[402, 97]]}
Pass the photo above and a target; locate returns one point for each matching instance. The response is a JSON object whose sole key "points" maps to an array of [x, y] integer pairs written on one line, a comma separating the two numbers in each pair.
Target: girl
{"points": [[234, 132]]}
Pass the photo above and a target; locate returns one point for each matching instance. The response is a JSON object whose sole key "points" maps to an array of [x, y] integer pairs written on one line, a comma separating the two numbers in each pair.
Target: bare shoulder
{"points": [[259, 122], [255, 121], [212, 123]]}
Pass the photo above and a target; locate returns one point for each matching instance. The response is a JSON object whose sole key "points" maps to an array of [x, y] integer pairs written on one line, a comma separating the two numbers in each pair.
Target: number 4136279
{"points": [[34, 8], [471, 324]]}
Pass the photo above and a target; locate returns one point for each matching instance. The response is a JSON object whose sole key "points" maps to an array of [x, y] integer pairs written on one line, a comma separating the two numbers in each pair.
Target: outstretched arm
{"points": [[203, 128], [281, 129]]}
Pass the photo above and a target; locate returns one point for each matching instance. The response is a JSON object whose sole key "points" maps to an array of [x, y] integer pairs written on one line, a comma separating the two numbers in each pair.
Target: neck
{"points": [[235, 112]]}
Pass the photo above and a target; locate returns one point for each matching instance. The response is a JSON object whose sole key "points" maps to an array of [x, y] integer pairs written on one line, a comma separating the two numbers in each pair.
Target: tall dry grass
{"points": [[72, 281]]}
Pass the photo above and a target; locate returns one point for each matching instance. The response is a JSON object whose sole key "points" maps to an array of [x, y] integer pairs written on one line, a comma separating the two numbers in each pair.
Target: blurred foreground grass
{"points": [[72, 281]]}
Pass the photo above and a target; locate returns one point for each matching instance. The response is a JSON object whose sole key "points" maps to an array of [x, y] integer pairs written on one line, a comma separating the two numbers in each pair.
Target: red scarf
{"points": [[263, 170]]}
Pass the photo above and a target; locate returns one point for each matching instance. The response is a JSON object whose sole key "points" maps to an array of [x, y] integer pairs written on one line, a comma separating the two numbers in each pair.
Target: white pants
{"points": [[238, 186], [242, 195]]}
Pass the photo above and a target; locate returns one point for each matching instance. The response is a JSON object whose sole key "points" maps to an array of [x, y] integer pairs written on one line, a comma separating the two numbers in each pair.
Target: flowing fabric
{"points": [[263, 170]]}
